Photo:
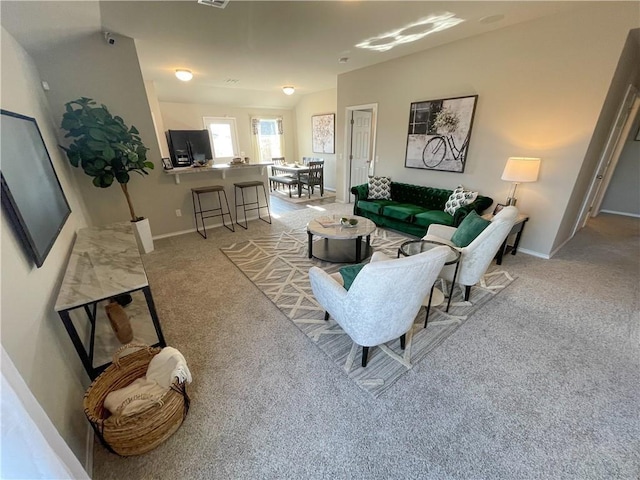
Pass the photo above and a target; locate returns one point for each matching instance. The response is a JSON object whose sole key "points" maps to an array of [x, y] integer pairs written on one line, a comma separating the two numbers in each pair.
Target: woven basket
{"points": [[144, 431]]}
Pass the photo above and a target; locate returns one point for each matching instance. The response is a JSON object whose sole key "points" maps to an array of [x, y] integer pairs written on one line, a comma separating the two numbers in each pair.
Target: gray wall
{"points": [[32, 332], [111, 75], [623, 193], [309, 105], [541, 88], [626, 72]]}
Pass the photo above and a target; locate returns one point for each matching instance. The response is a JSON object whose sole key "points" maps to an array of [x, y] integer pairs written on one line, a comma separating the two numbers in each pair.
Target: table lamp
{"points": [[520, 170]]}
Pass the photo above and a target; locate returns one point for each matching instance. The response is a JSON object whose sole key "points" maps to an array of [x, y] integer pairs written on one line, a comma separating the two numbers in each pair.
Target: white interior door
{"points": [[360, 156]]}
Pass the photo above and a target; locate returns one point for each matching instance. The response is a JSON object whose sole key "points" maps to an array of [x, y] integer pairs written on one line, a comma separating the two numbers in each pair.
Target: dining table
{"points": [[298, 170]]}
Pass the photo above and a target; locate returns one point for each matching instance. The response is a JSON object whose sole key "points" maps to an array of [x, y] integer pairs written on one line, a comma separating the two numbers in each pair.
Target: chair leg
{"points": [[326, 316], [403, 341], [426, 317], [467, 292], [365, 355]]}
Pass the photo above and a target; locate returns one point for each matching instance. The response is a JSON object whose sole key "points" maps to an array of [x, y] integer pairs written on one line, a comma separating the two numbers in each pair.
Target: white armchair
{"points": [[384, 298], [475, 257]]}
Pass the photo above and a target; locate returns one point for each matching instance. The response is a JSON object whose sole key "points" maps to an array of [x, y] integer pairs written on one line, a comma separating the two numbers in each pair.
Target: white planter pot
{"points": [[142, 231]]}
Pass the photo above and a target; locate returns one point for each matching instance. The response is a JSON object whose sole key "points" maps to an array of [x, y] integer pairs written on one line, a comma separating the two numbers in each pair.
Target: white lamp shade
{"points": [[184, 75], [521, 169], [288, 90]]}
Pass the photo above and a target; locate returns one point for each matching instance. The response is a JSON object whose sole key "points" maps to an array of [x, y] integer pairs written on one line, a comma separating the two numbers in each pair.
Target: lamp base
{"points": [[511, 201]]}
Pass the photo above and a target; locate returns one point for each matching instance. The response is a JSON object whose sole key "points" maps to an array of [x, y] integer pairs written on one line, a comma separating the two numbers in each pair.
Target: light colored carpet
{"points": [[278, 265], [541, 383]]}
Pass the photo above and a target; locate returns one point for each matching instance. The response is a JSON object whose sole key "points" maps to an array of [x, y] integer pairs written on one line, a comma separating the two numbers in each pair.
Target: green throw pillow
{"points": [[472, 226], [349, 274]]}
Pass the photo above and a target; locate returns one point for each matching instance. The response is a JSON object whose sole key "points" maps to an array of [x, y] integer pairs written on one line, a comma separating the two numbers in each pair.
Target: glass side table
{"points": [[414, 247]]}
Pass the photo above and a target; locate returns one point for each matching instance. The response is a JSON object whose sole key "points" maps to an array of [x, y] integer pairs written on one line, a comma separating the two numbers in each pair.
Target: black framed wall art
{"points": [[439, 133], [32, 196]]}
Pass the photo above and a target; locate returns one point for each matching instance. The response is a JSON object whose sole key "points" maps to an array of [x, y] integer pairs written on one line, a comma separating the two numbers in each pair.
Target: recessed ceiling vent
{"points": [[214, 3]]}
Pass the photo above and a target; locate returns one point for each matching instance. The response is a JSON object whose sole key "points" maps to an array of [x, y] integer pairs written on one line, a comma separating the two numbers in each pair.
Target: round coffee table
{"points": [[436, 297], [341, 244]]}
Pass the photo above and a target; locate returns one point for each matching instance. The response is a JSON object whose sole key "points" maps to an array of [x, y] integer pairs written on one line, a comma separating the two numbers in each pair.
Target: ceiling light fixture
{"points": [[184, 75], [343, 59], [434, 23], [288, 90]]}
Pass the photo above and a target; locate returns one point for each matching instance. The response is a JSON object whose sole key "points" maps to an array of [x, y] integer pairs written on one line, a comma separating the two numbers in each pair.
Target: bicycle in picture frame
{"points": [[436, 149]]}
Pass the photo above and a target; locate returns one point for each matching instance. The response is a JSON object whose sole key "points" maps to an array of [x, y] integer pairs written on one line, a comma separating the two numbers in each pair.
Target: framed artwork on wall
{"points": [[439, 133], [323, 133], [31, 193]]}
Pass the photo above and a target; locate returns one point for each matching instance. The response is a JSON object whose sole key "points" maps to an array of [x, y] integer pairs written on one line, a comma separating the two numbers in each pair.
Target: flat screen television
{"points": [[31, 193]]}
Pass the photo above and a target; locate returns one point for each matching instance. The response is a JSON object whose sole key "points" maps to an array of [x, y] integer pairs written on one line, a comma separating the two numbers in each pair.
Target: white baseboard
{"points": [[626, 214], [209, 226], [533, 253], [173, 234], [88, 459], [557, 249]]}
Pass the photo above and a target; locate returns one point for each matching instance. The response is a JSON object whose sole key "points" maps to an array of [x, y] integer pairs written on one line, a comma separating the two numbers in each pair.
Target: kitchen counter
{"points": [[222, 168]]}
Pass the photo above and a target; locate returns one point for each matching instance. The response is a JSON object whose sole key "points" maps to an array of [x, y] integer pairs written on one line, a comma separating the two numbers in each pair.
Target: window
{"points": [[268, 138], [224, 137]]}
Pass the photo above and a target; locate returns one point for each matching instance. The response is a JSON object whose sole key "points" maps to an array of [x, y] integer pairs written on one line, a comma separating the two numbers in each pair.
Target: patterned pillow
{"points": [[459, 198], [379, 188]]}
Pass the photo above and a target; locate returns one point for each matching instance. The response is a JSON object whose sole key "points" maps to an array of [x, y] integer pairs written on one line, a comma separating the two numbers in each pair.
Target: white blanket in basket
{"points": [[149, 390]]}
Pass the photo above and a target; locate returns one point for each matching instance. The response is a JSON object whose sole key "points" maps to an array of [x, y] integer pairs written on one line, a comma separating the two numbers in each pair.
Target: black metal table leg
{"points": [[310, 248], [154, 315], [75, 339], [514, 250], [358, 249]]}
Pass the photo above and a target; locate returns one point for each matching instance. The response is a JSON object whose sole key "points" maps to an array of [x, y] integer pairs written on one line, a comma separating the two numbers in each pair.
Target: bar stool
{"points": [[195, 193], [254, 184]]}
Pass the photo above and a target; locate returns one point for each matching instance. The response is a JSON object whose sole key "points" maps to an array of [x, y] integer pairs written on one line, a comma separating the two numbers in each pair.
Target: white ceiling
{"points": [[261, 44]]}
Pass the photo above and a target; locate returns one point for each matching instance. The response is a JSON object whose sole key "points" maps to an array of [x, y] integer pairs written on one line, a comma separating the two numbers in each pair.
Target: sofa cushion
{"points": [[472, 226], [374, 206], [379, 188], [402, 211], [459, 198], [425, 219], [428, 197]]}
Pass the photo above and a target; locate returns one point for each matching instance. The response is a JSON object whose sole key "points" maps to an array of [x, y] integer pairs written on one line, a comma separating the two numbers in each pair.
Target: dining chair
{"points": [[314, 178]]}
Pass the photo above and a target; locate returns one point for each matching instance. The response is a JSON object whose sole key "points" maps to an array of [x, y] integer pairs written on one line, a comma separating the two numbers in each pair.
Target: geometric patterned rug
{"points": [[278, 266]]}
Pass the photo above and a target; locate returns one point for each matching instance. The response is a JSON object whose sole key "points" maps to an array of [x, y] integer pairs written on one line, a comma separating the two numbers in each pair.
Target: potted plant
{"points": [[107, 150]]}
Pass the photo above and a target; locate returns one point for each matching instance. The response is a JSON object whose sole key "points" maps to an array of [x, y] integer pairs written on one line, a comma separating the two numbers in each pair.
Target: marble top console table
{"points": [[105, 262], [223, 168]]}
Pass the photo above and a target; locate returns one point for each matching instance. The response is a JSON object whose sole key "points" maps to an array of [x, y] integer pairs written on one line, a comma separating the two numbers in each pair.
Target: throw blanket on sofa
{"points": [[412, 208]]}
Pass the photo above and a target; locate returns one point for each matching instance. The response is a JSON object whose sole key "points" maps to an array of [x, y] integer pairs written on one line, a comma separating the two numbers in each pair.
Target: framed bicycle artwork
{"points": [[439, 133]]}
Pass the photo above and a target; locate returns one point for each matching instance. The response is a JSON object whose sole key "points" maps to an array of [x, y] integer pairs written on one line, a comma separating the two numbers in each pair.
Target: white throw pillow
{"points": [[459, 198], [379, 188]]}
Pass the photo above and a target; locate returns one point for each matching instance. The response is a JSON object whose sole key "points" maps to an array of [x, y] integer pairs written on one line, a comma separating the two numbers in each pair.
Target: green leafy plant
{"points": [[104, 146]]}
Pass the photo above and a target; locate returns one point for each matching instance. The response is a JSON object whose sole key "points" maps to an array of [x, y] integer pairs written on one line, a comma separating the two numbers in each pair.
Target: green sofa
{"points": [[412, 208]]}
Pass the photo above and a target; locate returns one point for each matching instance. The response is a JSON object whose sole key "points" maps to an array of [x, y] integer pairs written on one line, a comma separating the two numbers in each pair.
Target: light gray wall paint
{"points": [[309, 105], [623, 193], [188, 116], [626, 72], [111, 75], [541, 87], [32, 332]]}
